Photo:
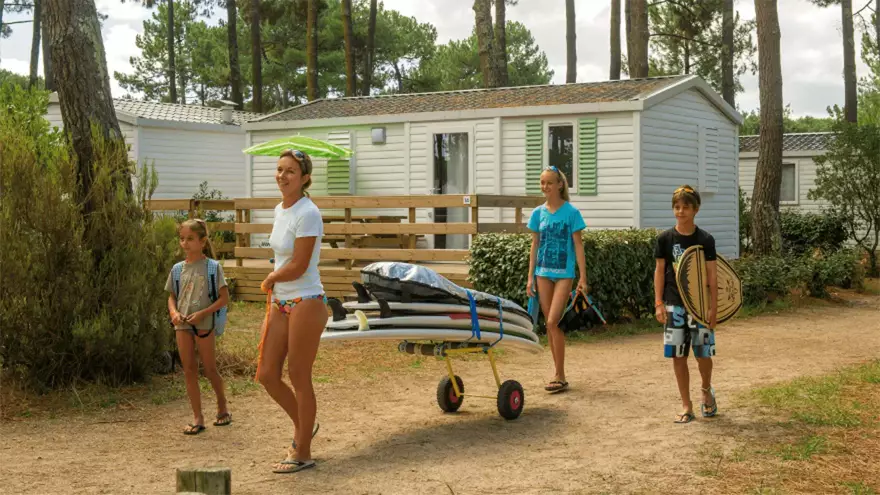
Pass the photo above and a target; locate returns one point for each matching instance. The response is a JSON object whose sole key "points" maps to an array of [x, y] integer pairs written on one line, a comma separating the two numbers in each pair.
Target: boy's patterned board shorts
{"points": [[683, 332]]}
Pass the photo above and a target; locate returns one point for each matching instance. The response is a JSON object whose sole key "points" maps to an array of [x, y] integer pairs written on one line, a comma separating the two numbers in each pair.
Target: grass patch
{"points": [[872, 286], [816, 435]]}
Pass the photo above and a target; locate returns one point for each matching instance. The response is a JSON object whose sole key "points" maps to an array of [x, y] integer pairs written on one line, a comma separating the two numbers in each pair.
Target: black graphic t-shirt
{"points": [[670, 246]]}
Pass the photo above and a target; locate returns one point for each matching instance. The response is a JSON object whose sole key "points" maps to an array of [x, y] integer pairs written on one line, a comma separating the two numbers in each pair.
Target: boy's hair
{"points": [[561, 178], [687, 194], [200, 228], [305, 165]]}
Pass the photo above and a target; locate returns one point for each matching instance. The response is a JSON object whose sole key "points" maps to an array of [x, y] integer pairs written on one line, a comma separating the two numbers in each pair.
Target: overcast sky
{"points": [[812, 58]]}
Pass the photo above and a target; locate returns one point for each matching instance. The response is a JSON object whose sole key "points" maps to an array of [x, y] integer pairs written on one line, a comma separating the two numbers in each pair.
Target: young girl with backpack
{"points": [[197, 306]]}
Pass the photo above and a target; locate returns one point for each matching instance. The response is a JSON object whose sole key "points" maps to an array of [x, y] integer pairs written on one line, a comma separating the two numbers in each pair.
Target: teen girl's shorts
{"points": [[682, 333], [286, 305]]}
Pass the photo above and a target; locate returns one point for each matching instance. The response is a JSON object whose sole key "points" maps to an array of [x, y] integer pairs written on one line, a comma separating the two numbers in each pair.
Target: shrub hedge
{"points": [[803, 233], [620, 271]]}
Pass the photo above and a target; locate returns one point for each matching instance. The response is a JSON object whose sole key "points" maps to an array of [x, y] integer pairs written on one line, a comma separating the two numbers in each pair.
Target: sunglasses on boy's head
{"points": [[685, 189]]}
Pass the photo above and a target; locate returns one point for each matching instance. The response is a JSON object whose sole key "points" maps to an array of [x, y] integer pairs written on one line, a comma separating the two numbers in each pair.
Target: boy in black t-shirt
{"points": [[681, 331]]}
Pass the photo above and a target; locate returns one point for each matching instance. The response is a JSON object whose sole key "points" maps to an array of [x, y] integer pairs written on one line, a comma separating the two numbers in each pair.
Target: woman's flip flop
{"points": [[194, 429], [709, 411], [556, 386], [223, 419], [314, 432], [293, 465]]}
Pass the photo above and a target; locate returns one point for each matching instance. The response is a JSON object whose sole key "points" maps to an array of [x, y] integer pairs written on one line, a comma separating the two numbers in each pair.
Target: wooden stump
{"points": [[209, 481]]}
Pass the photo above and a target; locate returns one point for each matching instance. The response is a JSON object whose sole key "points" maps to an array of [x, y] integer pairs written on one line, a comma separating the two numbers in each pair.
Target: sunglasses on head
{"points": [[553, 168], [685, 189], [297, 154]]}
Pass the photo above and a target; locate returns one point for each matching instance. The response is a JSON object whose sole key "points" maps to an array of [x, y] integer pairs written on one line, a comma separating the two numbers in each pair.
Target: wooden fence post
{"points": [[210, 481]]}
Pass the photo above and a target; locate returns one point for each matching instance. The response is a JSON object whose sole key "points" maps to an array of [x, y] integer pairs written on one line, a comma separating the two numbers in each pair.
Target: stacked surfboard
{"points": [[412, 303]]}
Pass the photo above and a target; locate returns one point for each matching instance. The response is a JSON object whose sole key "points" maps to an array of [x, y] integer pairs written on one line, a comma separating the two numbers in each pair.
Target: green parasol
{"points": [[313, 147]]}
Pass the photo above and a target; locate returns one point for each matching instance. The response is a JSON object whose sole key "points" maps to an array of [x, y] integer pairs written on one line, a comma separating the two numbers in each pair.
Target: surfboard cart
{"points": [[510, 398]]}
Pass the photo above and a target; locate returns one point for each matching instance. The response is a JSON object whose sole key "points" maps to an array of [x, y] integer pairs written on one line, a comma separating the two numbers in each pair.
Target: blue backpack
{"points": [[219, 316]]}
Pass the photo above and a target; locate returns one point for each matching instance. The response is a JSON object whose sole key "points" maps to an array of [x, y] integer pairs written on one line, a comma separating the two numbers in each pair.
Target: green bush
{"points": [[768, 277], [620, 268], [803, 233], [74, 306], [839, 269]]}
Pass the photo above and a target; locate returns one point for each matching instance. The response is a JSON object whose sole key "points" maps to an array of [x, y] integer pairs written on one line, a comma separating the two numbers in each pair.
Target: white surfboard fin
{"points": [[363, 324]]}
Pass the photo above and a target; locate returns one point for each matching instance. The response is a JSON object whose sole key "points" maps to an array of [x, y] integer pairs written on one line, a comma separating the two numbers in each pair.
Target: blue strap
{"points": [[475, 320]]}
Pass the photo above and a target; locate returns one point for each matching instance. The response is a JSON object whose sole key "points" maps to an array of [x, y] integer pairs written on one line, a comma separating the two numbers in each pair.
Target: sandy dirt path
{"points": [[611, 432]]}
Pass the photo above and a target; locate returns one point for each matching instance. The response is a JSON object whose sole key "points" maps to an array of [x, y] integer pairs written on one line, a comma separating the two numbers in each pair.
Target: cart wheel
{"points": [[446, 397], [511, 399]]}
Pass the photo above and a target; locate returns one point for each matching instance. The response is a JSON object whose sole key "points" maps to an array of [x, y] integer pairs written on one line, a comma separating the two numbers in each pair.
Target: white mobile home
{"points": [[799, 151], [188, 144], [624, 145]]}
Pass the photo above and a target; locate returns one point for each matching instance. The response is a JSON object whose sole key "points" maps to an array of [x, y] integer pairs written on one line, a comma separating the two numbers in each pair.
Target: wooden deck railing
{"points": [[405, 233]]}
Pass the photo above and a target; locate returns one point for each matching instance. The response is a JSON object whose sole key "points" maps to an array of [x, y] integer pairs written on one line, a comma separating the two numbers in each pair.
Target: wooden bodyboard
{"points": [[693, 285]]}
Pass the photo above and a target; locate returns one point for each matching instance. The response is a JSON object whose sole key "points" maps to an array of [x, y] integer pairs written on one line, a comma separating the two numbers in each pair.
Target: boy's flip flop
{"points": [[293, 465], [709, 411], [556, 386]]}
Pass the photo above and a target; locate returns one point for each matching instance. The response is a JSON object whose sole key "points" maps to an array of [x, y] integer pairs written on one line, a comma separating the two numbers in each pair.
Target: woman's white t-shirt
{"points": [[302, 219]]}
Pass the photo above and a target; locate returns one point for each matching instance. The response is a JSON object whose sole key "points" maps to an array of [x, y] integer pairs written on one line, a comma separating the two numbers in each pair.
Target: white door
{"points": [[450, 173]]}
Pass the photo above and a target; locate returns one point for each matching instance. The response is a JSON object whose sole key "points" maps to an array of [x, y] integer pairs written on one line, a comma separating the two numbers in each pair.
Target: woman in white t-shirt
{"points": [[298, 312]]}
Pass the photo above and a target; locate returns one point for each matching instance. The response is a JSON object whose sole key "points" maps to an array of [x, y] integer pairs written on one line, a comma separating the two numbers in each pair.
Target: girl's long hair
{"points": [[199, 226]]}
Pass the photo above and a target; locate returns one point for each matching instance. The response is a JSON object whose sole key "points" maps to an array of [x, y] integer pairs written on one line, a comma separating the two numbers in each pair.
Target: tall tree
{"points": [[312, 51], [877, 22], [369, 58], [47, 61], [456, 65], [850, 82], [172, 71], [615, 40], [79, 61], [571, 57], [483, 18], [728, 85], [256, 57], [637, 38], [501, 42], [232, 48], [689, 39], [348, 35], [35, 42], [768, 176]]}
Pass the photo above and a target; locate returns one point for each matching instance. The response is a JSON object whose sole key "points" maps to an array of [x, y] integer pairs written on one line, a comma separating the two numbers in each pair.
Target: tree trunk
{"points": [[350, 81], [571, 57], [172, 73], [371, 50], [483, 18], [728, 90], [312, 51], [256, 58], [687, 57], [877, 23], [35, 43], [79, 60], [615, 40], [398, 76], [850, 83], [766, 237], [47, 61], [501, 43], [637, 38], [234, 66]]}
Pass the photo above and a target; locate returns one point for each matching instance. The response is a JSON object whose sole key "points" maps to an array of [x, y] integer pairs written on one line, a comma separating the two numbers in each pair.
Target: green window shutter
{"points": [[534, 155], [338, 177], [588, 166]]}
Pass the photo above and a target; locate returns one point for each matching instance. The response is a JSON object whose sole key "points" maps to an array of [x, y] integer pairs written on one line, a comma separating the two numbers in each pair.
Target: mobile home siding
{"points": [[184, 159], [805, 171], [670, 152], [613, 206]]}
